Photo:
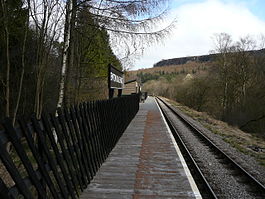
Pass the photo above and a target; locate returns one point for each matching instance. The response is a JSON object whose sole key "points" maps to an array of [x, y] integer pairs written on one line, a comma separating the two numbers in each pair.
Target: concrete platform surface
{"points": [[146, 163]]}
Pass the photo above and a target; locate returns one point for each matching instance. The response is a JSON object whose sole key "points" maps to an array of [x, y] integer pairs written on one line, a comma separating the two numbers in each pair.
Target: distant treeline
{"points": [[202, 58], [144, 77]]}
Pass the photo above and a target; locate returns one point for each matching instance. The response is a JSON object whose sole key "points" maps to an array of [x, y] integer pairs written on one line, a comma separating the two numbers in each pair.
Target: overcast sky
{"points": [[199, 20]]}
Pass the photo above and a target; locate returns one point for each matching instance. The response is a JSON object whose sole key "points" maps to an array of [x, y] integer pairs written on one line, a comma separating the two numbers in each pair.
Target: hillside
{"points": [[184, 60], [169, 71], [199, 59]]}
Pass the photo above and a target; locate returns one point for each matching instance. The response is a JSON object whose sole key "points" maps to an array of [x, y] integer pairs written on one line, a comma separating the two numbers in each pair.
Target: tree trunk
{"points": [[7, 82], [225, 103], [78, 79], [23, 67], [67, 37]]}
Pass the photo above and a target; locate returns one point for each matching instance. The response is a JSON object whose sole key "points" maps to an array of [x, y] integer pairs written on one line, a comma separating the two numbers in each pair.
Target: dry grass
{"points": [[242, 141]]}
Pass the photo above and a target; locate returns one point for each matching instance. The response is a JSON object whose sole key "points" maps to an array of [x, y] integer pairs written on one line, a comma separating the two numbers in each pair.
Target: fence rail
{"points": [[57, 157]]}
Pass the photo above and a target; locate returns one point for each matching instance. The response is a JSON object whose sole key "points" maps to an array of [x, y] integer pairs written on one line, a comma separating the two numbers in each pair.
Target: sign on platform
{"points": [[116, 78]]}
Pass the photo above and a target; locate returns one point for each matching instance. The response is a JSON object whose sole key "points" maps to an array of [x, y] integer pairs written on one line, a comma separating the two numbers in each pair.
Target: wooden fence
{"points": [[57, 157]]}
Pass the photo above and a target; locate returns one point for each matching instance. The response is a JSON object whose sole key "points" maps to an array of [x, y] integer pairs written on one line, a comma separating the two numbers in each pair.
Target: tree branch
{"points": [[253, 120]]}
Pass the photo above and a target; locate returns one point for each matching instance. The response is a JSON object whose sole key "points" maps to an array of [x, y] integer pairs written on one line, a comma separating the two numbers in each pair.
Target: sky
{"points": [[197, 23]]}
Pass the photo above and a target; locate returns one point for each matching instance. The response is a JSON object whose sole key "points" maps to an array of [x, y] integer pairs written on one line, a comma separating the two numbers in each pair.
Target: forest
{"points": [[55, 53], [230, 88]]}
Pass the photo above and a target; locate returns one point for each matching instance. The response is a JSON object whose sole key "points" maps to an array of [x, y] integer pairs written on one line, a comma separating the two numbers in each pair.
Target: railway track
{"points": [[242, 179]]}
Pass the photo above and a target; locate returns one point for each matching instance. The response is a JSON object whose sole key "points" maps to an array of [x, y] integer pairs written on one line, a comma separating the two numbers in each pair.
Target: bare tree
{"points": [[243, 65], [47, 17], [223, 46], [134, 25], [131, 22]]}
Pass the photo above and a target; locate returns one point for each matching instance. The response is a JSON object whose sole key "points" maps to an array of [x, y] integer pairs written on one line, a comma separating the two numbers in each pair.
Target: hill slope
{"points": [[169, 71], [200, 59]]}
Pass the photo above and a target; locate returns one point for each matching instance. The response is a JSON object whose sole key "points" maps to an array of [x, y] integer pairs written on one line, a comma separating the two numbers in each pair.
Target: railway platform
{"points": [[145, 163]]}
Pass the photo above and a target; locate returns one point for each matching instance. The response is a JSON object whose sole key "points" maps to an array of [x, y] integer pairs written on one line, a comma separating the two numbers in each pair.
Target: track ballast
{"points": [[217, 175]]}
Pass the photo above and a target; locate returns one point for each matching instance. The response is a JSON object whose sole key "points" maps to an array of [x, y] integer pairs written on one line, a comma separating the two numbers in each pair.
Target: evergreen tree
{"points": [[87, 77]]}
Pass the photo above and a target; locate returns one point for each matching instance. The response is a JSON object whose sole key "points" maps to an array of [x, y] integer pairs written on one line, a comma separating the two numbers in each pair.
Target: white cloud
{"points": [[197, 23]]}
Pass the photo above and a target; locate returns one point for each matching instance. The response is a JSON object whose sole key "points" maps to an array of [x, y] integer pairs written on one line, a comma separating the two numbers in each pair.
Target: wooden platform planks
{"points": [[144, 163]]}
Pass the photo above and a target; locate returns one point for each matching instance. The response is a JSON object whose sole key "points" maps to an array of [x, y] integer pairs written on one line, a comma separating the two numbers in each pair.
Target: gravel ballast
{"points": [[222, 179]]}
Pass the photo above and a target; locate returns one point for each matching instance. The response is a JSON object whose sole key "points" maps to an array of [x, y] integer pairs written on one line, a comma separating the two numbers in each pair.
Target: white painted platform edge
{"points": [[185, 167]]}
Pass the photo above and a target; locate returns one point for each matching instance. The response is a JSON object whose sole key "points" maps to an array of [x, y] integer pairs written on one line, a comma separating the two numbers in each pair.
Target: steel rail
{"points": [[202, 182], [253, 180]]}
